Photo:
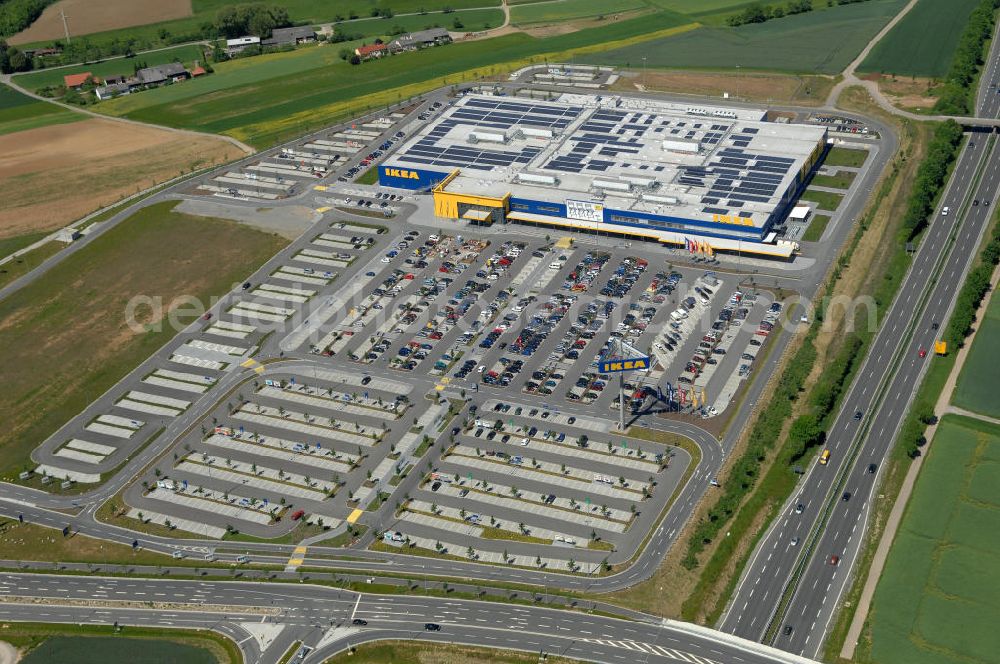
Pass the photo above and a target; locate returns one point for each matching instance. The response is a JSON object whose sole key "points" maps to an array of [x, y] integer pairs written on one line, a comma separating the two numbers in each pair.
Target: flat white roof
{"points": [[662, 158]]}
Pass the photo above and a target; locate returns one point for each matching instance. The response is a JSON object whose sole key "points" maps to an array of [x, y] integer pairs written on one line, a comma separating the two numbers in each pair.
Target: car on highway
{"points": [[872, 467], [359, 622], [788, 630], [795, 541], [846, 496], [432, 627], [799, 508], [922, 352], [833, 561], [858, 415]]}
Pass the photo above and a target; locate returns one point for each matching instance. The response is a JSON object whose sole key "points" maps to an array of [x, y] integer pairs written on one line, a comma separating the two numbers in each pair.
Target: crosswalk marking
{"points": [[651, 649]]}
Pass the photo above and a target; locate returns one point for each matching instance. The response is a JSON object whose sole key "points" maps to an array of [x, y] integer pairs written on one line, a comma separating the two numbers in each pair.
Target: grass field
{"points": [[264, 99], [825, 199], [822, 41], [562, 10], [842, 180], [816, 227], [412, 652], [17, 267], [64, 340], [938, 599], [978, 386], [850, 157], [19, 112], [922, 43], [24, 541], [368, 177], [119, 66], [165, 646]]}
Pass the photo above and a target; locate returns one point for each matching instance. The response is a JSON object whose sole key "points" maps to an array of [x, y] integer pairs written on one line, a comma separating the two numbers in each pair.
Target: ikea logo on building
{"points": [[732, 219], [401, 173], [634, 364]]}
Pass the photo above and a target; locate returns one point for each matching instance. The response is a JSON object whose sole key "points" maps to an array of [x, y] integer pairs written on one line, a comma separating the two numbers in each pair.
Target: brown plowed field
{"points": [[51, 176], [88, 16]]}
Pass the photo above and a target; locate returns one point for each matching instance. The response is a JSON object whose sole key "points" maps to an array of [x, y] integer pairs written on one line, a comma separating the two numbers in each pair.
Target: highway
{"points": [[280, 614], [795, 556]]}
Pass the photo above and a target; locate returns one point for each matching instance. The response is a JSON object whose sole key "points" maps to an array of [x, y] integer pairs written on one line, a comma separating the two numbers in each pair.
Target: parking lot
{"points": [[342, 153], [521, 485]]}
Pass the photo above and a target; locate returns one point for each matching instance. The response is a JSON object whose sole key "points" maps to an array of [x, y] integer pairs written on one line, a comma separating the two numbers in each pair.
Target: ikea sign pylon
{"points": [[619, 365]]}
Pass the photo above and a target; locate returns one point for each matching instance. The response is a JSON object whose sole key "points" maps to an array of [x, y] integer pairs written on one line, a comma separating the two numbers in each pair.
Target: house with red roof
{"points": [[76, 81], [369, 51]]}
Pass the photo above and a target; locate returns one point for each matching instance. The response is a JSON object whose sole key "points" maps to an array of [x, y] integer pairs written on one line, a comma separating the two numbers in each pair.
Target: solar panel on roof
{"points": [[715, 210]]}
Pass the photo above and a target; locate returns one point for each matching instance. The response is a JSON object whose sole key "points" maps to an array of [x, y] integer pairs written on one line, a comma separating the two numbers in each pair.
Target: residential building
{"points": [[290, 36], [109, 91], [420, 39], [369, 51], [239, 44], [76, 81]]}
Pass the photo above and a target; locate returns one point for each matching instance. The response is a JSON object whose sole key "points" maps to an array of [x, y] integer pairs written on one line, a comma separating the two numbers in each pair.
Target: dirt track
{"points": [[88, 16], [53, 175]]}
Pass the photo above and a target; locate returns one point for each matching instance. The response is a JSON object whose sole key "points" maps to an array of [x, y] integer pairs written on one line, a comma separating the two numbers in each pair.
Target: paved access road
{"points": [[322, 619], [893, 360]]}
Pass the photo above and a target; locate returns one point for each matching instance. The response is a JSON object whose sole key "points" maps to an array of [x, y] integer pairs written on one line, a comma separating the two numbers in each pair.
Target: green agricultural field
{"points": [[822, 41], [824, 199], [816, 228], [472, 20], [116, 67], [270, 97], [978, 387], [849, 157], [938, 599], [19, 112], [922, 43], [561, 10]]}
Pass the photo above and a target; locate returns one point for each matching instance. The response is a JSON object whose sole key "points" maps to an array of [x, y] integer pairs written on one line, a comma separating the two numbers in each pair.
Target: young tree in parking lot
{"points": [[470, 552], [538, 561]]}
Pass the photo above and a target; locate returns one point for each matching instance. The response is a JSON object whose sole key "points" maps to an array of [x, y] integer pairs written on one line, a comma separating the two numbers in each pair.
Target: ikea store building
{"points": [[685, 175]]}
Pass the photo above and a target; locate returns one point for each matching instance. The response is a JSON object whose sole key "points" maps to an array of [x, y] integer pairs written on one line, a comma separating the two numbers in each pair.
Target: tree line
{"points": [[958, 92], [12, 59], [16, 15], [941, 152], [760, 13], [253, 19]]}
